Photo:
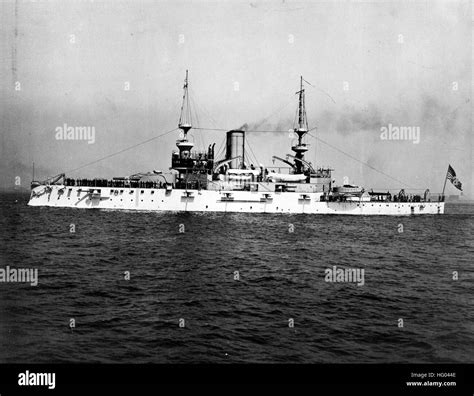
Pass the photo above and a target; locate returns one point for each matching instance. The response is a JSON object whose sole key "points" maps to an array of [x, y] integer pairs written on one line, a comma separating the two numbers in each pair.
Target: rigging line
{"points": [[210, 129], [257, 162], [305, 115], [200, 137], [224, 130], [319, 89], [196, 117], [296, 116], [182, 106], [324, 92], [121, 151], [213, 121], [279, 110], [362, 162], [220, 149], [190, 120], [252, 131], [248, 157], [201, 108], [200, 133], [254, 156], [307, 82]]}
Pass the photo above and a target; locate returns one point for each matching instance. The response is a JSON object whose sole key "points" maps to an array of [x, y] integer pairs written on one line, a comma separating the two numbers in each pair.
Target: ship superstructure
{"points": [[198, 181]]}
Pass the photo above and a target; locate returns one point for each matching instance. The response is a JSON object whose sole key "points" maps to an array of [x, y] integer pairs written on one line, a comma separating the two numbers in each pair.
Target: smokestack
{"points": [[235, 147]]}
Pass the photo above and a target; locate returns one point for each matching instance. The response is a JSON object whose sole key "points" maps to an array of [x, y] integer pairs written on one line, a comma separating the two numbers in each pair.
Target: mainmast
{"points": [[302, 121], [302, 130], [185, 123]]}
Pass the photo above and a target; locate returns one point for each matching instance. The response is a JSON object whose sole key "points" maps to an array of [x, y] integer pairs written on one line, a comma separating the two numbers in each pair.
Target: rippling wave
{"points": [[191, 276]]}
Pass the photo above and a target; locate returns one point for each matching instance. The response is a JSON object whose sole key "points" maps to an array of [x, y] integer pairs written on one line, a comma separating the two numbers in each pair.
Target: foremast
{"points": [[301, 130], [193, 167]]}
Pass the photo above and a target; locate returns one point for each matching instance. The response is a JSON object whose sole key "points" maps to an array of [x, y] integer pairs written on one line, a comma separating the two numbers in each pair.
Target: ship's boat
{"points": [[364, 197], [348, 189], [285, 177], [246, 172]]}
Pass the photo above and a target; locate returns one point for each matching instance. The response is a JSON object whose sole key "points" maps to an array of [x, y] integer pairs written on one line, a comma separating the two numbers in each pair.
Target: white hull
{"points": [[217, 201]]}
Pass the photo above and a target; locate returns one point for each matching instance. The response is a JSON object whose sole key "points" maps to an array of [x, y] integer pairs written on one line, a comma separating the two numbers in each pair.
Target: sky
{"points": [[119, 66]]}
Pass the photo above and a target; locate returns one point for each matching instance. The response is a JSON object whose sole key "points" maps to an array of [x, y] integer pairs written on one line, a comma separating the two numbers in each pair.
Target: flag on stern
{"points": [[451, 176]]}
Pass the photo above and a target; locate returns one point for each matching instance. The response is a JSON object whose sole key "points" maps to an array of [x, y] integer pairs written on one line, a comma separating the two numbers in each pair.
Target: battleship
{"points": [[201, 181]]}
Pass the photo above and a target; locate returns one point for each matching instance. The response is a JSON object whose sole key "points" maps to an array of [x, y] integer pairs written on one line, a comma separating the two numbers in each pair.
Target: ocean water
{"points": [[190, 276]]}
